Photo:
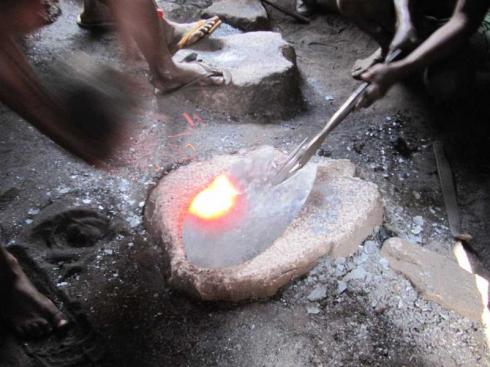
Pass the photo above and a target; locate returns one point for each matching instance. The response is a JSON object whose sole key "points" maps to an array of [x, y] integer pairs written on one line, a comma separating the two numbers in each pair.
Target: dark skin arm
{"points": [[405, 33], [466, 19]]}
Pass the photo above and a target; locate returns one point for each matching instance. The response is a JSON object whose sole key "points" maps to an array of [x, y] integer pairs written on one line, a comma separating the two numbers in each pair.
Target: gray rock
{"points": [[436, 277], [317, 294], [417, 230], [341, 287], [340, 261], [338, 216], [370, 247], [418, 220], [313, 309], [247, 15], [358, 273], [264, 76]]}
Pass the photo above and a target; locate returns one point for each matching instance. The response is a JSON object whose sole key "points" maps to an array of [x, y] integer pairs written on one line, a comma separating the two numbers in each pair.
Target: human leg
{"points": [[389, 22], [27, 311], [305, 7], [96, 15], [139, 20]]}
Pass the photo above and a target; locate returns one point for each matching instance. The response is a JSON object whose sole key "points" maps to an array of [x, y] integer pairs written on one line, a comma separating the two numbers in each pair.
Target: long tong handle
{"points": [[307, 149], [348, 106]]}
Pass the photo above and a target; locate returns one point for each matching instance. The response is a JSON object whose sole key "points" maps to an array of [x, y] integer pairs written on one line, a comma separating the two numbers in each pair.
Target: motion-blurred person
{"points": [[86, 118]]}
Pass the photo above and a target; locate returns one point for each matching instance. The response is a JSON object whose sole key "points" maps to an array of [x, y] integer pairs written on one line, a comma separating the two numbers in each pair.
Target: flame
{"points": [[216, 200]]}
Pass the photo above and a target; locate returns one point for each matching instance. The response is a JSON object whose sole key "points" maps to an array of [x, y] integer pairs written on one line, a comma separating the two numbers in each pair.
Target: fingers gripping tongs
{"points": [[308, 147]]}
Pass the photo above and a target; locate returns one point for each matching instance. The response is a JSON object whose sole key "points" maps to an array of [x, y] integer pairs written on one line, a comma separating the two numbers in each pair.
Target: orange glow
{"points": [[216, 200]]}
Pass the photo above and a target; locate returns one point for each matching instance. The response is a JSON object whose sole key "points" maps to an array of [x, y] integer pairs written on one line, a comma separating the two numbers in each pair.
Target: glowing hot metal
{"points": [[215, 201], [240, 214]]}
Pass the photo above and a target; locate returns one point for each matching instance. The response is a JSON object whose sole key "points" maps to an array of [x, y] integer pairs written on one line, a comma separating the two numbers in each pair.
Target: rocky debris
{"points": [[436, 277], [339, 214], [317, 294], [388, 296], [247, 15], [313, 309], [51, 10], [264, 75]]}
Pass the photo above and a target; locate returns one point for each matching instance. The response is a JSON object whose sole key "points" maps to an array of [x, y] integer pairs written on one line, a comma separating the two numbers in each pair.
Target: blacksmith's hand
{"points": [[405, 38], [381, 78]]}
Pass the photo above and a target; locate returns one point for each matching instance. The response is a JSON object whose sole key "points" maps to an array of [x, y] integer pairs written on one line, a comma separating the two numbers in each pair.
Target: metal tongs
{"points": [[300, 156]]}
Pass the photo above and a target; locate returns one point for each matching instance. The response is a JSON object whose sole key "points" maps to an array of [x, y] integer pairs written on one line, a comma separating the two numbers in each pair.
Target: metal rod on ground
{"points": [[293, 14], [448, 188]]}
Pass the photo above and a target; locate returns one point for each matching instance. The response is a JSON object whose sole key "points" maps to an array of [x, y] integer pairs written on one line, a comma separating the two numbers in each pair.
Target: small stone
{"points": [[317, 294], [341, 287], [63, 190], [134, 221], [313, 309], [28, 221], [358, 273], [329, 98], [340, 261], [33, 211], [361, 259], [416, 230], [370, 247], [340, 270], [418, 220], [108, 251], [86, 201]]}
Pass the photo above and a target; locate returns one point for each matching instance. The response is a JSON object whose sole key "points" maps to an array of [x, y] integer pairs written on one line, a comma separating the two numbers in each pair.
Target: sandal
{"points": [[198, 32], [210, 72]]}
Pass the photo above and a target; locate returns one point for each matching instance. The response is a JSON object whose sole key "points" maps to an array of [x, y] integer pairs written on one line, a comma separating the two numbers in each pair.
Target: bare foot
{"points": [[362, 65], [31, 314]]}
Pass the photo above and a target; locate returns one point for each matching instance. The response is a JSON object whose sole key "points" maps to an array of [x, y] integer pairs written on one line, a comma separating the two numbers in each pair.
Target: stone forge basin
{"points": [[264, 76], [341, 211]]}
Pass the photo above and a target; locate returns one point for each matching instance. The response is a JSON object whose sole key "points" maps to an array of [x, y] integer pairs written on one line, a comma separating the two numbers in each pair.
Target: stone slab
{"points": [[436, 277], [247, 15], [264, 75], [339, 214]]}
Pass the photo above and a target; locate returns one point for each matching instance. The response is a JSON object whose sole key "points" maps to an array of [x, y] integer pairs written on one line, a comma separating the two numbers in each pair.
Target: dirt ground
{"points": [[83, 227]]}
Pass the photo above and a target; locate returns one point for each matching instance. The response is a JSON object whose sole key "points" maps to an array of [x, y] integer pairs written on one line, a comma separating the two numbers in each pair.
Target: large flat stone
{"points": [[339, 214], [436, 277], [247, 15], [265, 78]]}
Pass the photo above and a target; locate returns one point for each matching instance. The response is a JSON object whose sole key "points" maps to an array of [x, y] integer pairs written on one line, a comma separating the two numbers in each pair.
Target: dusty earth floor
{"points": [[360, 313]]}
